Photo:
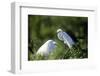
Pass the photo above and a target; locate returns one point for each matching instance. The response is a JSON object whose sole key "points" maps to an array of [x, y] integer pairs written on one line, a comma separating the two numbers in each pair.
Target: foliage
{"points": [[41, 28]]}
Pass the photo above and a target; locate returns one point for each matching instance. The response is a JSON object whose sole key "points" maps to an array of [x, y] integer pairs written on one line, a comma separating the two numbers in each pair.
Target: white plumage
{"points": [[63, 36], [46, 48]]}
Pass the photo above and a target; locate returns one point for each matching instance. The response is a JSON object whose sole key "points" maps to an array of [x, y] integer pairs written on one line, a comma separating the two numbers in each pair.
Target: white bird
{"points": [[46, 48], [63, 36]]}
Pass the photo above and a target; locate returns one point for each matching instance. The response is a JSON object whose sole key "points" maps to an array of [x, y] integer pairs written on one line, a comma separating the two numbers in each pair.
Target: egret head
{"points": [[59, 30], [51, 42]]}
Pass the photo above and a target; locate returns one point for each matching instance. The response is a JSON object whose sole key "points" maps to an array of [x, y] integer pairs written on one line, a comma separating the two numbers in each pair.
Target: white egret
{"points": [[46, 48], [63, 36]]}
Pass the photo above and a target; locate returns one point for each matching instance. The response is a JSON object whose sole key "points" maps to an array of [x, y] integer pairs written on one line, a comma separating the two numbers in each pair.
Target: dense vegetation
{"points": [[41, 28]]}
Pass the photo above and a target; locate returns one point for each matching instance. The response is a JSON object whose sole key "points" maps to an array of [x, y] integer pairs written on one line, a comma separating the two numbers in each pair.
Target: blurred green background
{"points": [[42, 28]]}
